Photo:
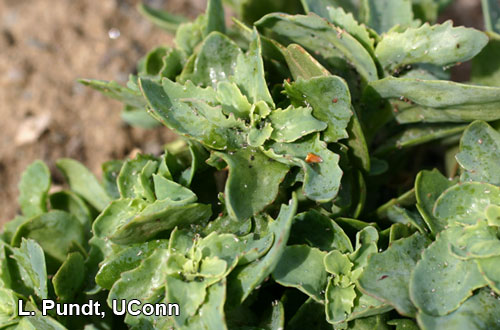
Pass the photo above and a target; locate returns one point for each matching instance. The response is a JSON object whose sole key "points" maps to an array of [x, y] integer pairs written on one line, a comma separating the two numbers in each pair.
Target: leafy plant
{"points": [[300, 193]]}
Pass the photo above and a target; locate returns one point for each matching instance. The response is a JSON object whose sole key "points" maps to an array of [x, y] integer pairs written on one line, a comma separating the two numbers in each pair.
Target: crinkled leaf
{"points": [[437, 100], [330, 99], [345, 20], [301, 267], [211, 313], [244, 279], [440, 282], [338, 48], [466, 202], [232, 100], [253, 181], [30, 262], [129, 179], [339, 302], [440, 44], [84, 183], [293, 123], [321, 179], [429, 185], [189, 295], [193, 117], [8, 307], [387, 274], [56, 231], [480, 312], [479, 153], [146, 282], [33, 189], [258, 136], [216, 60], [69, 278], [366, 244], [125, 260], [489, 268], [473, 242], [249, 73], [157, 217]]}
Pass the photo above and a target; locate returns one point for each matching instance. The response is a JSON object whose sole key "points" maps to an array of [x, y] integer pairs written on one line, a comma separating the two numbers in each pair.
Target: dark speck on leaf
{"points": [[252, 157], [383, 277]]}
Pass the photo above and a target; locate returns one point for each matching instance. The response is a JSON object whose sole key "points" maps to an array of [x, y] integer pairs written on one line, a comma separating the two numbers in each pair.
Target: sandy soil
{"points": [[45, 45]]}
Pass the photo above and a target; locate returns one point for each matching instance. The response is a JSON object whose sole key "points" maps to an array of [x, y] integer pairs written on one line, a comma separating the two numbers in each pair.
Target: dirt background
{"points": [[45, 45]]}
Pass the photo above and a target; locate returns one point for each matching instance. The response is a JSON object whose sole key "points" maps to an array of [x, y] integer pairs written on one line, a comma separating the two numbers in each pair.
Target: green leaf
{"points": [[253, 181], [302, 64], [216, 61], [249, 73], [440, 44], [426, 10], [387, 275], [31, 264], [192, 117], [190, 34], [339, 302], [84, 183], [116, 91], [489, 268], [56, 231], [33, 189], [188, 295], [346, 21], [110, 171], [243, 280], [440, 282], [383, 15], [162, 19], [306, 227], [157, 217], [71, 203], [129, 179], [338, 48], [403, 324], [478, 312], [168, 189], [466, 203], [211, 313], [474, 242], [479, 153], [215, 17], [145, 282], [429, 185], [491, 14], [232, 100], [321, 179], [330, 99], [69, 279], [417, 134], [125, 260], [486, 65], [437, 100], [322, 7], [366, 244], [311, 314], [301, 267], [8, 308], [293, 123], [39, 323]]}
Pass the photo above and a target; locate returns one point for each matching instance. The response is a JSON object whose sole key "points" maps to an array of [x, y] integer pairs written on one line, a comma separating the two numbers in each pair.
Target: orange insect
{"points": [[312, 158]]}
